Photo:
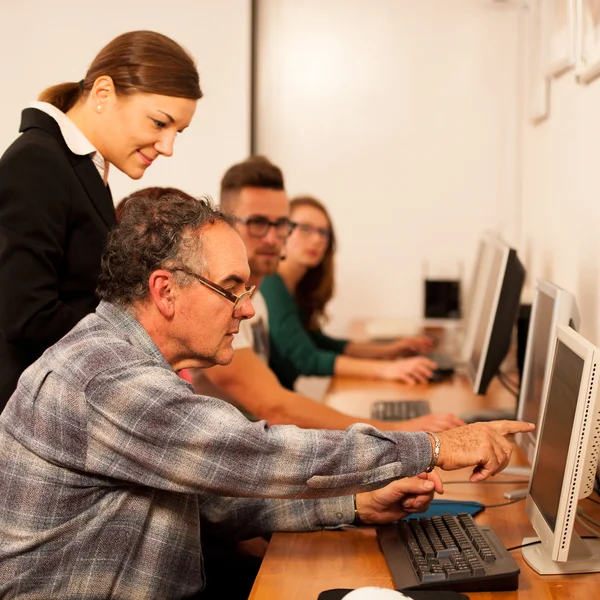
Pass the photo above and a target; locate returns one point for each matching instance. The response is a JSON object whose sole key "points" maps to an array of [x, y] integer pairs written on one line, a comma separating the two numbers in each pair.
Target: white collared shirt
{"points": [[74, 138]]}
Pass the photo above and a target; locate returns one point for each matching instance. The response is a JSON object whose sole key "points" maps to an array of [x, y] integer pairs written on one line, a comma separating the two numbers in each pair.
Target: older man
{"points": [[108, 458]]}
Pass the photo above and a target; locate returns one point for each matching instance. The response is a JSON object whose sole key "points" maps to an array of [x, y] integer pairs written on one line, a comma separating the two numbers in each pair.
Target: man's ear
{"points": [[162, 292]]}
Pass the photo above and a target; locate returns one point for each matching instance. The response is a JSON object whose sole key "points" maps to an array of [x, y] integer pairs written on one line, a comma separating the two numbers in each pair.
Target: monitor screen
{"points": [[497, 316], [536, 366], [476, 291], [552, 306], [488, 302], [555, 432]]}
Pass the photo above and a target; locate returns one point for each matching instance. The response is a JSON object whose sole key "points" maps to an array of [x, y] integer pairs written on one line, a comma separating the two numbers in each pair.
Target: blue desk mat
{"points": [[453, 507]]}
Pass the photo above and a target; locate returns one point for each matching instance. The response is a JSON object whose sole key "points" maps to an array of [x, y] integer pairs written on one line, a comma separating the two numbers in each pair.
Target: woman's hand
{"points": [[418, 344], [417, 369]]}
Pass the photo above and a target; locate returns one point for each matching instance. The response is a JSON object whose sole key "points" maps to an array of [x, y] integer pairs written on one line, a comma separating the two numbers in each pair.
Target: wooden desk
{"points": [[298, 566]]}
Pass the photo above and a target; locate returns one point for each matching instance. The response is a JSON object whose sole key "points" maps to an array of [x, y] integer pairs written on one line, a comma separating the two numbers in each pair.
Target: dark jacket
{"points": [[55, 214]]}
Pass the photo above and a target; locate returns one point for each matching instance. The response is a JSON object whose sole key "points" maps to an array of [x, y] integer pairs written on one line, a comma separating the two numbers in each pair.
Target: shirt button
{"points": [[339, 515]]}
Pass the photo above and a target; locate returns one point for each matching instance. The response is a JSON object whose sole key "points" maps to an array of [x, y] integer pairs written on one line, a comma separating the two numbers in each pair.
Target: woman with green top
{"points": [[296, 297]]}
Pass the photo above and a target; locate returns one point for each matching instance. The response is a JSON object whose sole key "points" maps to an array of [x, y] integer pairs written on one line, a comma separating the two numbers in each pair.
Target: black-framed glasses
{"points": [[307, 230], [259, 226], [237, 300]]}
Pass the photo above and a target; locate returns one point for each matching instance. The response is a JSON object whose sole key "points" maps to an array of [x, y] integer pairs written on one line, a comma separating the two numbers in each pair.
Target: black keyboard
{"points": [[444, 362], [445, 367], [399, 410], [447, 552]]}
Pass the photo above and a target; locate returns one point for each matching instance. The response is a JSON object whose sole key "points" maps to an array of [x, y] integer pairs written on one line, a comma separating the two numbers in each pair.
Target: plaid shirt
{"points": [[108, 459]]}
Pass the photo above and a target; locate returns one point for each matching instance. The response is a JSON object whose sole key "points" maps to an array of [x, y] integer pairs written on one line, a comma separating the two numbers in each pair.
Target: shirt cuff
{"points": [[333, 513], [414, 451]]}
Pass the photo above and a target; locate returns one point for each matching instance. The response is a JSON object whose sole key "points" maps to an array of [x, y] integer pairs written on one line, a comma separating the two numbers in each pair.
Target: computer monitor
{"points": [[497, 316], [472, 304], [552, 306], [565, 460]]}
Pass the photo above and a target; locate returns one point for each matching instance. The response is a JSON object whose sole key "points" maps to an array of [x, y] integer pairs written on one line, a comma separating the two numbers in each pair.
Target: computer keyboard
{"points": [[444, 361], [399, 410], [445, 366], [447, 553]]}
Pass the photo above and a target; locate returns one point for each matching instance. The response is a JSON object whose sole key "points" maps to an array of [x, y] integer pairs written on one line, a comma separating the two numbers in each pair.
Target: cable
{"points": [[514, 383], [583, 537], [507, 384], [507, 387], [586, 516], [524, 545], [504, 503], [586, 526]]}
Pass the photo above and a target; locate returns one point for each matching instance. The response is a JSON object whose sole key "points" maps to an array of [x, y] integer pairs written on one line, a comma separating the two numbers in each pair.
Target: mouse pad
{"points": [[453, 507], [338, 594]]}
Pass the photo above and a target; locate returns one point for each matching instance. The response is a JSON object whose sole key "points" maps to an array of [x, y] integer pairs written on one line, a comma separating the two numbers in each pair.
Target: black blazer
{"points": [[55, 214]]}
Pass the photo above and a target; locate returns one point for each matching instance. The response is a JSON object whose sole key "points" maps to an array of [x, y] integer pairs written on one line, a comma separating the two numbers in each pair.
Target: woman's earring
{"points": [[99, 107]]}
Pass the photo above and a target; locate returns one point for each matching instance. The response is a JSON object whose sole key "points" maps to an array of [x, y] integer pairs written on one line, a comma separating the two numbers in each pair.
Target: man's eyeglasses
{"points": [[307, 230], [259, 226], [237, 300]]}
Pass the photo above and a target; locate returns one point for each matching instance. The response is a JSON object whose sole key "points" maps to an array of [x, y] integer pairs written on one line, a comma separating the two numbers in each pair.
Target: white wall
{"points": [[44, 43], [402, 117], [561, 210]]}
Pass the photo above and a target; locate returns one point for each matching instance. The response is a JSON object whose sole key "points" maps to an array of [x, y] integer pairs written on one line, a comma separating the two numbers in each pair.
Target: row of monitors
{"points": [[557, 392]]}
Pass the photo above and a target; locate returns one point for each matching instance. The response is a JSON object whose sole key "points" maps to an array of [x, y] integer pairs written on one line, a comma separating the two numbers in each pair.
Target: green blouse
{"points": [[294, 349]]}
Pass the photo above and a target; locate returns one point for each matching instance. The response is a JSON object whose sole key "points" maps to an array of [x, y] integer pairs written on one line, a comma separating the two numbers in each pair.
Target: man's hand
{"points": [[481, 444], [434, 422], [398, 499]]}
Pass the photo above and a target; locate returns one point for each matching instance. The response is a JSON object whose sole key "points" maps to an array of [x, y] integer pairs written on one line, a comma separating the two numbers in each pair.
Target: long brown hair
{"points": [[316, 288], [137, 61]]}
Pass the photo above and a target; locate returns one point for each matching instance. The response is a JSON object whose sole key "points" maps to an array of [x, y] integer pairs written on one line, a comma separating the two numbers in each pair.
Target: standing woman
{"points": [[296, 297], [55, 204]]}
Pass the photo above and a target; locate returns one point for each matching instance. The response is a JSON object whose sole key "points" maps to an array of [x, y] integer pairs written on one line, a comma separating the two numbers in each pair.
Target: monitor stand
{"points": [[519, 471], [584, 557], [517, 494]]}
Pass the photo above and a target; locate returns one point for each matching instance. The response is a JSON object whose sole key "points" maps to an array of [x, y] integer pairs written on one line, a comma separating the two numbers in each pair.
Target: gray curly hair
{"points": [[158, 229]]}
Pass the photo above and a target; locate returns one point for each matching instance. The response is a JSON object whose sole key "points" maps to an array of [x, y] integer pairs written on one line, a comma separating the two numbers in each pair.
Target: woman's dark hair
{"points": [[316, 288], [137, 61], [159, 228]]}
